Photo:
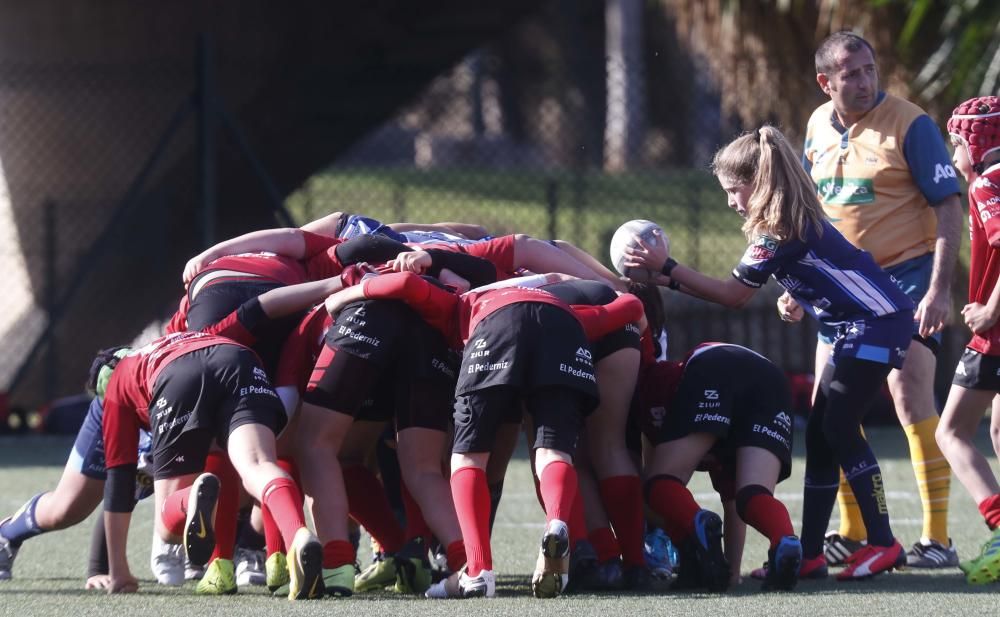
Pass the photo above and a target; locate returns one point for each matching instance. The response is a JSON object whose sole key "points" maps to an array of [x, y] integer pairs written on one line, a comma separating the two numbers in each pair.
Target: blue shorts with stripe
{"points": [[881, 339]]}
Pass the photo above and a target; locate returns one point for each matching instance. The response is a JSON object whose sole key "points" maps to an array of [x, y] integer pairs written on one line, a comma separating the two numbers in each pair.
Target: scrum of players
{"points": [[382, 376]]}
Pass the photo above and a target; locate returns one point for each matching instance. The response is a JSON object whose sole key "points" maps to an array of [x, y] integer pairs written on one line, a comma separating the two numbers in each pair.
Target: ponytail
{"points": [[783, 203]]}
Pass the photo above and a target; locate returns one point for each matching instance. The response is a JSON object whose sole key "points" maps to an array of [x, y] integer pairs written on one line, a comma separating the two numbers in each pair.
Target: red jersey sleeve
{"points": [[300, 350], [120, 425], [178, 322], [498, 251], [317, 243], [436, 306], [324, 264], [599, 321]]}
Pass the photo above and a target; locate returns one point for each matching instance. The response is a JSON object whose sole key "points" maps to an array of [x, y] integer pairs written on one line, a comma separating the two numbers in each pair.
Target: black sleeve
{"points": [[98, 562], [476, 270], [119, 489], [251, 314], [372, 248]]}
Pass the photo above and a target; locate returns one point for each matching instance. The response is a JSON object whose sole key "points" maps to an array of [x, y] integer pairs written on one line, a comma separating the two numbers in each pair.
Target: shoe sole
{"points": [[199, 527], [711, 560], [552, 579], [984, 573], [306, 573], [787, 574]]}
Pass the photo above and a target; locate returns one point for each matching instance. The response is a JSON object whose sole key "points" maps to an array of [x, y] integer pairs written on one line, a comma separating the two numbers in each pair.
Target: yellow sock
{"points": [[851, 524], [933, 478]]}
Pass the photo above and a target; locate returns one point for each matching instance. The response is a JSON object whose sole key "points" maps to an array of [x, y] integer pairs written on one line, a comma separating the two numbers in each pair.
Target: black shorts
{"points": [[557, 414], [204, 396], [594, 293], [733, 393], [217, 300], [976, 371], [381, 360], [528, 345]]}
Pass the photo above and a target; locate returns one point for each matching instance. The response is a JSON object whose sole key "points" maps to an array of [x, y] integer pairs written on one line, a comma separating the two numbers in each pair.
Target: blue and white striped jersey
{"points": [[826, 274]]}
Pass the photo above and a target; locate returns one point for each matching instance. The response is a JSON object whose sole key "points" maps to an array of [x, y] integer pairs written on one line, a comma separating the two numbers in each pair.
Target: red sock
{"points": [[283, 498], [368, 505], [228, 506], [174, 511], [769, 516], [337, 553], [456, 555], [675, 505], [272, 533], [558, 486], [416, 526], [577, 521], [622, 497], [605, 543], [472, 505], [990, 509]]}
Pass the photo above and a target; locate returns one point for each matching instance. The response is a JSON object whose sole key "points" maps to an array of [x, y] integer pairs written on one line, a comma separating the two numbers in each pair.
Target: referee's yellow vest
{"points": [[864, 182]]}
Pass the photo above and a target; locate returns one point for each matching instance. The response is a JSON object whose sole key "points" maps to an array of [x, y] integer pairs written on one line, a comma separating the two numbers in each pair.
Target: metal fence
{"points": [[517, 137]]}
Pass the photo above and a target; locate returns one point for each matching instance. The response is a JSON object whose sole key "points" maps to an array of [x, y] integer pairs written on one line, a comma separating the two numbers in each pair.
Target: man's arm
{"points": [[934, 309]]}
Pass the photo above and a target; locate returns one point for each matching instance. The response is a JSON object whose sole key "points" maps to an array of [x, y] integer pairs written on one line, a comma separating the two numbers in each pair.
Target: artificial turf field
{"points": [[49, 571]]}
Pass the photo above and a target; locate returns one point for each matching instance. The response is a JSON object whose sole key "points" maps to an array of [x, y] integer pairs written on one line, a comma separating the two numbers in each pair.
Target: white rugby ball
{"points": [[625, 237]]}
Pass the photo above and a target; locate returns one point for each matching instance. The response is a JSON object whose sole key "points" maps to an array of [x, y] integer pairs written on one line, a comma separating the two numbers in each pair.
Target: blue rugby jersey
{"points": [[826, 274]]}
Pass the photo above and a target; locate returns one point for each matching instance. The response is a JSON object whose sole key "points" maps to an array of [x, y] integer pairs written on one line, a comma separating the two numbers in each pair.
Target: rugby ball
{"points": [[625, 237]]}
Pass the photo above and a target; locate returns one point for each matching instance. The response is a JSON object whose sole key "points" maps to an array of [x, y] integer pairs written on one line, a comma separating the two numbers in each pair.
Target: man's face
{"points": [[853, 84]]}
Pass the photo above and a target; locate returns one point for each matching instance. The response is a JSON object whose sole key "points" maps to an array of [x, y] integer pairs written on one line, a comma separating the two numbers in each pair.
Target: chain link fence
{"points": [[564, 129]]}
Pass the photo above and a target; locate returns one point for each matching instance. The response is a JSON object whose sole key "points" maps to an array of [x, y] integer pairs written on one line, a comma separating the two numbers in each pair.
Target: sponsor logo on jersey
{"points": [[712, 417], [846, 191], [161, 403], [711, 400], [259, 374], [983, 182], [783, 420], [763, 248], [943, 171], [252, 389], [443, 367], [960, 370], [480, 343], [583, 356]]}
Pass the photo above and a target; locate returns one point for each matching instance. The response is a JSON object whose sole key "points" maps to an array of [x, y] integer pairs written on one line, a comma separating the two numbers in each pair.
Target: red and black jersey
{"points": [[301, 349], [457, 316], [497, 251], [984, 264], [127, 399]]}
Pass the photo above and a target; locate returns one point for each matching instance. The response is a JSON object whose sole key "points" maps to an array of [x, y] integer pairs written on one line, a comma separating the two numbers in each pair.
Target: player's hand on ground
{"points": [[643, 255], [98, 581], [412, 261], [123, 584], [978, 317], [932, 313], [789, 309]]}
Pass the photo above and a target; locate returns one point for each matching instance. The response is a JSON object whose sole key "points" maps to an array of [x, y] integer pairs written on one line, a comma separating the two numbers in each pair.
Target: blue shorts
{"points": [[87, 455], [914, 277], [354, 225], [882, 339]]}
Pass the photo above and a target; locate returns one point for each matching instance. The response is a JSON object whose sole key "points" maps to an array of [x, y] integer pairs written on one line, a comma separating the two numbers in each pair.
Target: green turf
{"points": [[50, 570]]}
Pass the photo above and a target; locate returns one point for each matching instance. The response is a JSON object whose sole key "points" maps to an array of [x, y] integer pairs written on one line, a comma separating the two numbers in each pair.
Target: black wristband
{"points": [[668, 266]]}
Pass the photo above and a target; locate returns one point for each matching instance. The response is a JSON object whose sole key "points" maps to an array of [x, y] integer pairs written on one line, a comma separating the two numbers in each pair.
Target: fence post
{"points": [[206, 139], [49, 244], [552, 205]]}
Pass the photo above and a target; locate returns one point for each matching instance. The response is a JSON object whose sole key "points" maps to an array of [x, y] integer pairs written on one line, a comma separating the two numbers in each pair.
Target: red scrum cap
{"points": [[975, 124]]}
